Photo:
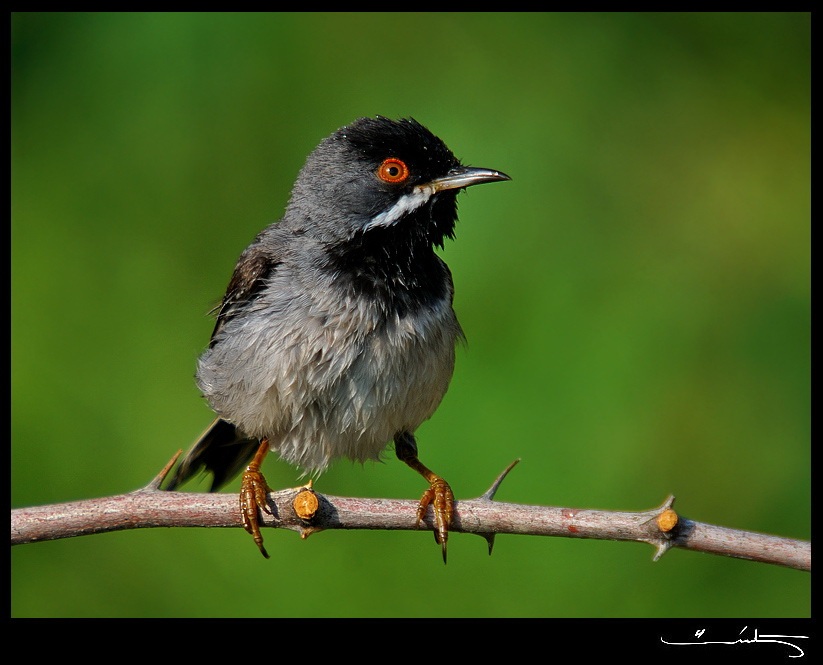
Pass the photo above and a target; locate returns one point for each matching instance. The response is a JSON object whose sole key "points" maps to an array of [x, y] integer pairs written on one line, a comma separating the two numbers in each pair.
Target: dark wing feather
{"points": [[220, 450], [253, 269]]}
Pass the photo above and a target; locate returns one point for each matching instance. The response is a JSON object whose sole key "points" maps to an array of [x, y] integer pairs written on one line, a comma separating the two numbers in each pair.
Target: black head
{"points": [[377, 196], [378, 175]]}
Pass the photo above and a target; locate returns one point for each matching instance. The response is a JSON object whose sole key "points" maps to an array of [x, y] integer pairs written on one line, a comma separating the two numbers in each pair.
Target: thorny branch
{"points": [[305, 511]]}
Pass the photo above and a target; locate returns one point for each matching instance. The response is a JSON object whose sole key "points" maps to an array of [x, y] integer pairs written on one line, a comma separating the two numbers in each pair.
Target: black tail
{"points": [[221, 449]]}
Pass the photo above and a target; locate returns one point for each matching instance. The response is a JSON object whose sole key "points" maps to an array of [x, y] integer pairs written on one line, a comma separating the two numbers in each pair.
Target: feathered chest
{"points": [[330, 355]]}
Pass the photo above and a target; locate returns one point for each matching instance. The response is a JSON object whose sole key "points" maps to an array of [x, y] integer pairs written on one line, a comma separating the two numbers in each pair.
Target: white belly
{"points": [[340, 384]]}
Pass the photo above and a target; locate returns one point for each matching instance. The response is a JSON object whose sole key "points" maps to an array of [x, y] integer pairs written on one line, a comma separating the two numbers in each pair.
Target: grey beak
{"points": [[464, 176]]}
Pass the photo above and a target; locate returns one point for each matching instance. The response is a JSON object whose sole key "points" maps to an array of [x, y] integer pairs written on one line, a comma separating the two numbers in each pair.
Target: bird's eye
{"points": [[393, 171]]}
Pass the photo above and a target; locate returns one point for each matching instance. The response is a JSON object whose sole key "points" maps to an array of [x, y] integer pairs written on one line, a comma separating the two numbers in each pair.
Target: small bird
{"points": [[336, 334]]}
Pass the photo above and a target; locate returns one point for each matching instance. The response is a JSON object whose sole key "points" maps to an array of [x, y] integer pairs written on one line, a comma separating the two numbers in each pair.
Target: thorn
{"points": [[490, 539], [668, 503], [489, 495], [656, 513], [305, 532], [160, 477], [662, 548]]}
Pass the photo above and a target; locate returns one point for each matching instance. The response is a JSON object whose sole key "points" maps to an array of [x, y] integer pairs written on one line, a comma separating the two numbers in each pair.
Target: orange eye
{"points": [[393, 171]]}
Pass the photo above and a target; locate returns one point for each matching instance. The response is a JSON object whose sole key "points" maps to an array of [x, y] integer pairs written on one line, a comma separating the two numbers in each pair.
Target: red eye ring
{"points": [[393, 171]]}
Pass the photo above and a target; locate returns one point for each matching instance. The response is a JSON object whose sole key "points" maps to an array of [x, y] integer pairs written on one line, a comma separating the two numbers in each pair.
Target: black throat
{"points": [[394, 267]]}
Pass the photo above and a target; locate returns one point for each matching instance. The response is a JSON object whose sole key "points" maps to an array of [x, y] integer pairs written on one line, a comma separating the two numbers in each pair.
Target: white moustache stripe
{"points": [[405, 204]]}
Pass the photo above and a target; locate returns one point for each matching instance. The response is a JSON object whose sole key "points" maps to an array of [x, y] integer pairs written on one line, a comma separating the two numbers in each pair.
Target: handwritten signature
{"points": [[758, 638]]}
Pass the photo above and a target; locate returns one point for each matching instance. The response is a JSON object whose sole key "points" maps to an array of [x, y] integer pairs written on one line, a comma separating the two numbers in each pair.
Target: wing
{"points": [[253, 269], [221, 449]]}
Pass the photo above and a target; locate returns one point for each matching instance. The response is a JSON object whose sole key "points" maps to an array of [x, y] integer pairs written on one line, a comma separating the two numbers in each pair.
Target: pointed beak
{"points": [[464, 176]]}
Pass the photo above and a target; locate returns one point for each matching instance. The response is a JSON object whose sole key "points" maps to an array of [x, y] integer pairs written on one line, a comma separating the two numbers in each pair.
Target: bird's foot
{"points": [[253, 491], [441, 498]]}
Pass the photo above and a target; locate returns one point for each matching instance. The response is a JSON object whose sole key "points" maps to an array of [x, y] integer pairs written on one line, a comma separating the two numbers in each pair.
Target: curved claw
{"points": [[441, 498], [253, 491]]}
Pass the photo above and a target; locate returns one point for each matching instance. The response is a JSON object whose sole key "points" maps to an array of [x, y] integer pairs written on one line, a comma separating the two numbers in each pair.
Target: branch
{"points": [[305, 511]]}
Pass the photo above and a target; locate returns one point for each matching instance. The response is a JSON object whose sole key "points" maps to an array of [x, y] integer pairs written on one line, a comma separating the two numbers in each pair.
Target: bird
{"points": [[336, 335]]}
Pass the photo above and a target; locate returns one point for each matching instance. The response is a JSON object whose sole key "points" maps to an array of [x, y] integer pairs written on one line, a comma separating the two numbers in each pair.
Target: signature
{"points": [[758, 638]]}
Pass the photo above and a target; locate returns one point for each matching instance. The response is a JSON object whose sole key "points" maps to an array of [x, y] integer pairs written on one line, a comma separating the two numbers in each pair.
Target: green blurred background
{"points": [[636, 300]]}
